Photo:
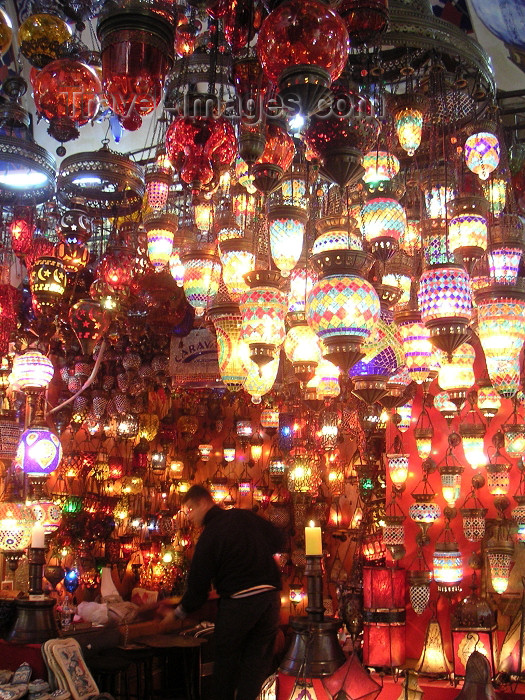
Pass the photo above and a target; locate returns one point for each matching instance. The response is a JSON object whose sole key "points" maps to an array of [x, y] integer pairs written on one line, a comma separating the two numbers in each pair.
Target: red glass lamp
{"points": [[200, 147], [303, 46], [275, 160], [137, 52], [67, 93]]}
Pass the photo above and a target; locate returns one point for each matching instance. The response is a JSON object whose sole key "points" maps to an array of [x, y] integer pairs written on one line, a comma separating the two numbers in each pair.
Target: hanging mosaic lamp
{"points": [[404, 416], [424, 511], [457, 376], [498, 479], [237, 260], [500, 553], [227, 321], [467, 228], [482, 150], [445, 406], [32, 370], [419, 589], [48, 282], [398, 468], [384, 222], [202, 271], [488, 400], [451, 482], [438, 189], [408, 111], [472, 437], [343, 308], [303, 47], [301, 282], [518, 516], [501, 331], [495, 191], [514, 437], [260, 379], [157, 188], [474, 523], [286, 237], [16, 524], [263, 308], [417, 347], [160, 232], [39, 451], [444, 299], [302, 348], [447, 566], [379, 166]]}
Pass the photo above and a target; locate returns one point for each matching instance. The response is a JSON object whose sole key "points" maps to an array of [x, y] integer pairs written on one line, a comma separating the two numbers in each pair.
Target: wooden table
{"points": [[171, 649]]}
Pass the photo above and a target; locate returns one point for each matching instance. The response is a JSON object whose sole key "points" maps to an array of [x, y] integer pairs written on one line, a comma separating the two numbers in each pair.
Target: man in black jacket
{"points": [[235, 553]]}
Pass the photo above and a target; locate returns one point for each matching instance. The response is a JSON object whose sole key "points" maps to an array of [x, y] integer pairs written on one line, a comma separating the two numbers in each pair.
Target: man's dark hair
{"points": [[197, 493]]}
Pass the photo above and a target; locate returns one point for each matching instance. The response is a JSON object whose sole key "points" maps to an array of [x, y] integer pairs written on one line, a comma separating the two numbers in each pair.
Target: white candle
{"points": [[38, 536], [313, 542]]}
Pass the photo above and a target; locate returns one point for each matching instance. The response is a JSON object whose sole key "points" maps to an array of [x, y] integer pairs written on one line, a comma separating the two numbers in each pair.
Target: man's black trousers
{"points": [[244, 639]]}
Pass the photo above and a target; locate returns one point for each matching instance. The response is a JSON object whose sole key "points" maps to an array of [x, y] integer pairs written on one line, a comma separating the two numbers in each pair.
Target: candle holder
{"points": [[35, 620], [315, 650]]}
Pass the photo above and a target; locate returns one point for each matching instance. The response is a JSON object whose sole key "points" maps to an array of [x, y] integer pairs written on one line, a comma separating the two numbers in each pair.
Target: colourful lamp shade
{"points": [[451, 483], [202, 273], [16, 524], [514, 436], [444, 292], [445, 406], [337, 239], [424, 511], [398, 468], [383, 217], [459, 373], [157, 190], [176, 267], [482, 153], [301, 283], [500, 554], [161, 231], [404, 414], [489, 401], [417, 347], [343, 309], [302, 345], [518, 515], [447, 566], [286, 242], [502, 332], [379, 166], [325, 382], [47, 513], [467, 230], [263, 308], [472, 436], [39, 451], [260, 380], [474, 523], [32, 370], [408, 123], [237, 259], [504, 264], [232, 359], [495, 191]]}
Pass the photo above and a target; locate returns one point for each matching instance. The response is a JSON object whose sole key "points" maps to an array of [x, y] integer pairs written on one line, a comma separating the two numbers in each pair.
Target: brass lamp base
{"points": [[315, 650], [35, 622]]}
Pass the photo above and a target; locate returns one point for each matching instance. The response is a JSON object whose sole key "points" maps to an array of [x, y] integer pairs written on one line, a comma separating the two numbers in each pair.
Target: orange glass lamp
{"points": [[498, 478], [408, 110], [398, 468]]}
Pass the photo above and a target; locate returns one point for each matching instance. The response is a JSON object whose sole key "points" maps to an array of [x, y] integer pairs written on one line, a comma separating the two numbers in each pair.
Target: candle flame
{"points": [[311, 523]]}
